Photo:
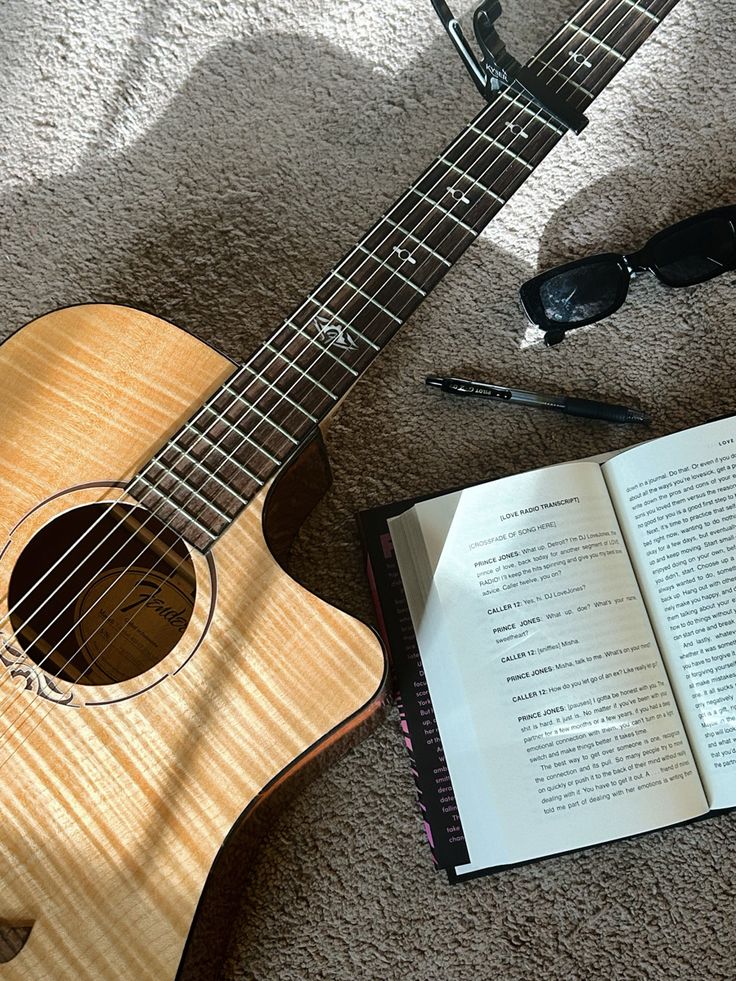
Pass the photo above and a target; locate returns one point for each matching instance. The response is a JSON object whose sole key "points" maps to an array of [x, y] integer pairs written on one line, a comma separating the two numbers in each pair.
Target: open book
{"points": [[577, 630]]}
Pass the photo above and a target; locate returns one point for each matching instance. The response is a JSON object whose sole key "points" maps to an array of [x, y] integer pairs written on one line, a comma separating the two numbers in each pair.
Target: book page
{"points": [[554, 709], [676, 500]]}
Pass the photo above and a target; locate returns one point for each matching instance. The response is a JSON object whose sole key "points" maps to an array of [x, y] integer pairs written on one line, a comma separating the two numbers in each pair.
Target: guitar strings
{"points": [[50, 708], [219, 416], [550, 42], [556, 72]]}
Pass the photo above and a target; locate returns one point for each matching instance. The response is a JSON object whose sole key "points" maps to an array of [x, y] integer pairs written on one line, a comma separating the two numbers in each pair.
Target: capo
{"points": [[499, 68]]}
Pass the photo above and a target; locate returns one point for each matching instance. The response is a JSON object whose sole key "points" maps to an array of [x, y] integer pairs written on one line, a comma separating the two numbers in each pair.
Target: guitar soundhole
{"points": [[101, 594]]}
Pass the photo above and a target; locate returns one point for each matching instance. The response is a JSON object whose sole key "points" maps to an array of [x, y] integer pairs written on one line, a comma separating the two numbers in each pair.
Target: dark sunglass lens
{"points": [[695, 253], [588, 292]]}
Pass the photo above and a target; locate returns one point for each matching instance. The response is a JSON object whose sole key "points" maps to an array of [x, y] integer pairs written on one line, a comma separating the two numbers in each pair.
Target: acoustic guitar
{"points": [[162, 679]]}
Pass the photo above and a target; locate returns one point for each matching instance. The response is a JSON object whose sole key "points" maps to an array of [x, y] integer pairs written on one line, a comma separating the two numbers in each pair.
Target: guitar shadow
{"points": [[275, 154], [230, 207]]}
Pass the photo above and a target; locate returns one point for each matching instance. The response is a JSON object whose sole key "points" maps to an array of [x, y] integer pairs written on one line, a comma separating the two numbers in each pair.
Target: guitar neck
{"points": [[232, 445]]}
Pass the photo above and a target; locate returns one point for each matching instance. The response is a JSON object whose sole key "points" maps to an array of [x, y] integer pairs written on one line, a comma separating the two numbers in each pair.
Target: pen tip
{"points": [[433, 380]]}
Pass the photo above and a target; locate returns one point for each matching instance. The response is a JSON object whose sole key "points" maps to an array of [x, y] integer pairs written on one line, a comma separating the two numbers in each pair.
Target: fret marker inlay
{"points": [[333, 333]]}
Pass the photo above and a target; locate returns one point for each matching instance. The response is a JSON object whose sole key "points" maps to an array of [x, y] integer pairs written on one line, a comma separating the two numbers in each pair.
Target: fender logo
{"points": [[154, 602]]}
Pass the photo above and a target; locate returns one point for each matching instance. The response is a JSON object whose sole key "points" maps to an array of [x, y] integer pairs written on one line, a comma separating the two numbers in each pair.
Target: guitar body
{"points": [[114, 806]]}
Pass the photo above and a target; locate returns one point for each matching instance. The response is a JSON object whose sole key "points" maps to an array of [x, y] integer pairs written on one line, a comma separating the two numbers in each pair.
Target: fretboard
{"points": [[203, 477]]}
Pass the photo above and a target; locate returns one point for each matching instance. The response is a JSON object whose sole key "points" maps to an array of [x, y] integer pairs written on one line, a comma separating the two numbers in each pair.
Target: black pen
{"points": [[558, 403]]}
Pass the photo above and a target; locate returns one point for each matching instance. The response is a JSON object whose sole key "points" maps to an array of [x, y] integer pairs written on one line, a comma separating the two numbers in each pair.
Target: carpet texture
{"points": [[209, 160]]}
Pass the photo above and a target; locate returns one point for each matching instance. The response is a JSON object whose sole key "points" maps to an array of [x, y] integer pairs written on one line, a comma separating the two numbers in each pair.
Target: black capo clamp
{"points": [[499, 68]]}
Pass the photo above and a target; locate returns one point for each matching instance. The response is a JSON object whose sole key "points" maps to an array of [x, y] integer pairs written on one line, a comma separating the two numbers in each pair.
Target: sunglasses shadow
{"points": [[610, 216], [662, 342]]}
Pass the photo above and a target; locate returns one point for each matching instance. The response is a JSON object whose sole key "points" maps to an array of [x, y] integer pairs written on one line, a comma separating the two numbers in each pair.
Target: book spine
{"points": [[437, 805]]}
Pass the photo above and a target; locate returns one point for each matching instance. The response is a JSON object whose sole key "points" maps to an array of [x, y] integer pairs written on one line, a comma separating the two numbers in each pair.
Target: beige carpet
{"points": [[209, 160]]}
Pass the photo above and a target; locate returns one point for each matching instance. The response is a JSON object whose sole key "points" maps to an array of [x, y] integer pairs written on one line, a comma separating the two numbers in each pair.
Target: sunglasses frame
{"points": [[629, 266]]}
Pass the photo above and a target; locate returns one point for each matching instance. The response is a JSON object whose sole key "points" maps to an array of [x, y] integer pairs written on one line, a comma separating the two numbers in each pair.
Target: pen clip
{"points": [[463, 386]]}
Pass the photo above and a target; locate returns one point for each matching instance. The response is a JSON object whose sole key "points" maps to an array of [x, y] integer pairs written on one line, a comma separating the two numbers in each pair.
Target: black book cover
{"points": [[436, 798]]}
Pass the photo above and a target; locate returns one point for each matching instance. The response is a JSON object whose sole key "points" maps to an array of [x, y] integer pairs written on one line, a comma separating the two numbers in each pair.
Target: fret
{"points": [[529, 137], [476, 182], [530, 110], [593, 37], [239, 423], [252, 389], [439, 232], [476, 156], [394, 272], [643, 10], [265, 418], [558, 80], [291, 384], [469, 198], [367, 296], [577, 59], [186, 515], [302, 371], [498, 144], [449, 213], [607, 34], [214, 441], [185, 463], [607, 24], [620, 30], [419, 242], [320, 347], [368, 271], [211, 468], [393, 244], [480, 157], [199, 528], [217, 463], [184, 454], [394, 295], [184, 487], [187, 525], [321, 371], [580, 62], [501, 146], [262, 434], [341, 299]]}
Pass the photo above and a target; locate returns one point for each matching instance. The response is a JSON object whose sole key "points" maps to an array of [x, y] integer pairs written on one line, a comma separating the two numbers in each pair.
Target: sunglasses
{"points": [[587, 290]]}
